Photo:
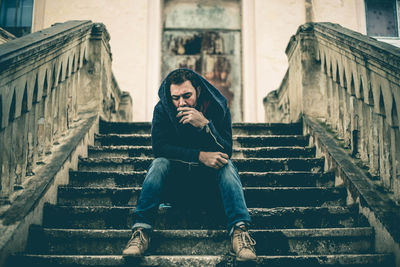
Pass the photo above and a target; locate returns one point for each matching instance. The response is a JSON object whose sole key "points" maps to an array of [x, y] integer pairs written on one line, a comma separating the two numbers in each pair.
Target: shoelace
{"points": [[136, 241], [246, 241]]}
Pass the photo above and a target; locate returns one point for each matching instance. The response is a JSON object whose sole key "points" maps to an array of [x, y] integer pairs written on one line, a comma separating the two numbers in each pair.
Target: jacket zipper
{"points": [[208, 130], [187, 162]]}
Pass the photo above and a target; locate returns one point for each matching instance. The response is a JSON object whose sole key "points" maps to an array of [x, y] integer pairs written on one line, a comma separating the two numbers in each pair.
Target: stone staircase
{"points": [[299, 217]]}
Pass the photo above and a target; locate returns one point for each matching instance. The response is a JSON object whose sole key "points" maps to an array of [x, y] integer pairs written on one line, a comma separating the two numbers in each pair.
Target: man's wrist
{"points": [[200, 156]]}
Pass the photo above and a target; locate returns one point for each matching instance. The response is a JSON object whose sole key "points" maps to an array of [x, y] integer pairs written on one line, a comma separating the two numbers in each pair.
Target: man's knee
{"points": [[228, 168], [161, 164], [228, 172], [159, 169]]}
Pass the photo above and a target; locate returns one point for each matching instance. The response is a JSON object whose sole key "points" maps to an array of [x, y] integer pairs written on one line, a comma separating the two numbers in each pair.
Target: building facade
{"points": [[238, 45]]}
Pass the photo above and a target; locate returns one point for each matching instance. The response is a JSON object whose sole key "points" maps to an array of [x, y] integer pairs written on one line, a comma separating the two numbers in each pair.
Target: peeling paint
{"points": [[209, 49]]}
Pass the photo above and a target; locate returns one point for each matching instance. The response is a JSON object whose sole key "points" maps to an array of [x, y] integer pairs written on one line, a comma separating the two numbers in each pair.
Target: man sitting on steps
{"points": [[192, 125]]}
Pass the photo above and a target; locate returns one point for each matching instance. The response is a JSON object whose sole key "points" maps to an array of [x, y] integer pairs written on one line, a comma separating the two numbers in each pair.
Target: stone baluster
{"points": [[350, 82], [48, 81]]}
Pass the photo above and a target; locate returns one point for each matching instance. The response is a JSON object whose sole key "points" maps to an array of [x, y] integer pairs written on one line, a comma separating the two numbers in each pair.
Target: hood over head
{"points": [[207, 90]]}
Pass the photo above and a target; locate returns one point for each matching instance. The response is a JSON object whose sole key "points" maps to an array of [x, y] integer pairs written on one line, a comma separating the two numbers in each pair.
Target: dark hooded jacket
{"points": [[172, 140]]}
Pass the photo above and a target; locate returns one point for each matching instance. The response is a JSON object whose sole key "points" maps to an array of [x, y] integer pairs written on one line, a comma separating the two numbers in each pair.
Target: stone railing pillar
{"points": [[89, 99], [94, 79], [304, 76]]}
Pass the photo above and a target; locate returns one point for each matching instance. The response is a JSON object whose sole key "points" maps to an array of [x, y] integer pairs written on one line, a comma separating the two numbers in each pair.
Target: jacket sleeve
{"points": [[161, 136], [221, 136]]}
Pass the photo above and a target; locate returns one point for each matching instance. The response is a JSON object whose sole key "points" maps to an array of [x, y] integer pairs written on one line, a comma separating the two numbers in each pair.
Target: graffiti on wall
{"points": [[212, 54]]}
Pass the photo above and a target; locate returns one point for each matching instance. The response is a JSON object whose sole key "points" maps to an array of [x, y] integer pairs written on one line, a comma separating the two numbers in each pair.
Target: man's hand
{"points": [[192, 116], [214, 160]]}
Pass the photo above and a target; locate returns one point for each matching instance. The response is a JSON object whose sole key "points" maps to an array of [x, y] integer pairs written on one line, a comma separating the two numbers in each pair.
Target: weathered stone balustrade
{"points": [[54, 86], [351, 82], [48, 81]]}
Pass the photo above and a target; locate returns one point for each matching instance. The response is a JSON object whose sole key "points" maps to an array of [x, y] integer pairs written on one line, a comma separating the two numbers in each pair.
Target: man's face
{"points": [[183, 95]]}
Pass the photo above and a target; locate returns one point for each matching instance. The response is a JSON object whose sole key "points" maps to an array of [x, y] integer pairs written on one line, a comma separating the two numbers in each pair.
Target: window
{"points": [[16, 16], [382, 18]]}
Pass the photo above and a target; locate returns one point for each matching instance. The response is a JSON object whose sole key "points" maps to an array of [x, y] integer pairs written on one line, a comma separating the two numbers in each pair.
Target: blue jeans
{"points": [[158, 176]]}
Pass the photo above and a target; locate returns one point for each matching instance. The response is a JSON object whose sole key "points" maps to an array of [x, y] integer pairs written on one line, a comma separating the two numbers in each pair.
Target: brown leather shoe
{"points": [[138, 243], [243, 244]]}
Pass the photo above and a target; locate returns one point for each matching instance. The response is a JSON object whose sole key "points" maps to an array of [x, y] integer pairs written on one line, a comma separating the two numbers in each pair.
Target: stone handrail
{"points": [[276, 103], [5, 36], [351, 82], [49, 80]]}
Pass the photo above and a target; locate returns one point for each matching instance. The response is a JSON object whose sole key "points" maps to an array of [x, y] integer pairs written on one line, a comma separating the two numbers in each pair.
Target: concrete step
{"points": [[89, 217], [288, 179], [250, 164], [274, 152], [135, 178], [238, 140], [202, 242], [270, 140], [258, 152], [298, 217], [337, 260], [237, 128], [262, 197]]}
